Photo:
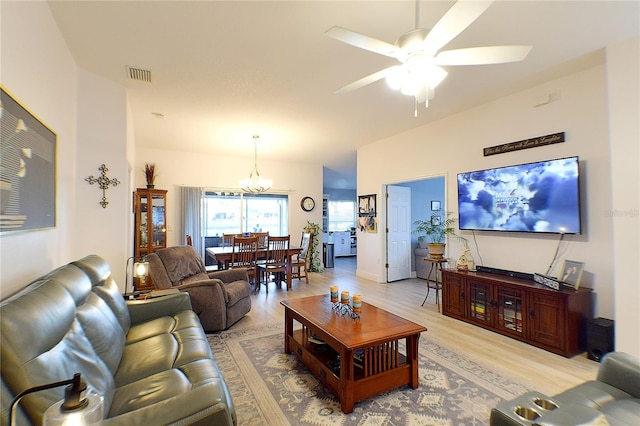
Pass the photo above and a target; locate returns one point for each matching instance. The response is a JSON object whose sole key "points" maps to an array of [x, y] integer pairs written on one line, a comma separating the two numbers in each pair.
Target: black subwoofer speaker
{"points": [[599, 338]]}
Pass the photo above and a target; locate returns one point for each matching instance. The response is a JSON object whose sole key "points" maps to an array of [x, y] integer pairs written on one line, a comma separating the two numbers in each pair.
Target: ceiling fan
{"points": [[419, 52]]}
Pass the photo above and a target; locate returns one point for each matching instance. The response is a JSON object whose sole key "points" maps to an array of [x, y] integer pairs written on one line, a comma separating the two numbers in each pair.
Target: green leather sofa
{"points": [[612, 399], [149, 359]]}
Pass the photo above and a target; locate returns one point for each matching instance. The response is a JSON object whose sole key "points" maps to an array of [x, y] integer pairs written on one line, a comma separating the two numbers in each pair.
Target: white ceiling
{"points": [[225, 70]]}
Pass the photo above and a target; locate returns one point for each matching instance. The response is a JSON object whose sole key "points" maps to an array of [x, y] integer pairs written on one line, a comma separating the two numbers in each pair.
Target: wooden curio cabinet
{"points": [[150, 225]]}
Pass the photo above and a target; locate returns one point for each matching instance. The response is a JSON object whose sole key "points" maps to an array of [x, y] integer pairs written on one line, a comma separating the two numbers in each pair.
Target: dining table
{"points": [[222, 256]]}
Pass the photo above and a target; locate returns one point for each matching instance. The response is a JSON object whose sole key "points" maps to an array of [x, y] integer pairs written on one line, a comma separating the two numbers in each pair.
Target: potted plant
{"points": [[150, 174], [434, 231], [316, 231]]}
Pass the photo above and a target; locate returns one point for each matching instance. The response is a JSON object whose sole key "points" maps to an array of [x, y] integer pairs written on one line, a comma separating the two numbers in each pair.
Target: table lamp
{"points": [[140, 271], [72, 410]]}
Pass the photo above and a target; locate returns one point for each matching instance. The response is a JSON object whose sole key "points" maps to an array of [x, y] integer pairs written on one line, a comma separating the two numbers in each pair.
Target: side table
{"points": [[150, 294], [435, 264]]}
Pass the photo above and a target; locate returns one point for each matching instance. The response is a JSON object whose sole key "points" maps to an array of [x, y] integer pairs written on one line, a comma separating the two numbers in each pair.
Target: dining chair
{"points": [[263, 238], [227, 239], [189, 240], [299, 263], [245, 255], [275, 263]]}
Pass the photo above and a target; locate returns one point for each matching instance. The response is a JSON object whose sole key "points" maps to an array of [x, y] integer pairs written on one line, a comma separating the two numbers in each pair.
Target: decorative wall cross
{"points": [[103, 182]]}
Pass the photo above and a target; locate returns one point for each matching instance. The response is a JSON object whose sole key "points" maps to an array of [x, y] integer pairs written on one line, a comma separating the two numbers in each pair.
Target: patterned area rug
{"points": [[271, 388]]}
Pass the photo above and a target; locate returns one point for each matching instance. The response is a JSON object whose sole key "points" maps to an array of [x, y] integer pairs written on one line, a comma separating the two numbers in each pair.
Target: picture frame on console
{"points": [[571, 273]]}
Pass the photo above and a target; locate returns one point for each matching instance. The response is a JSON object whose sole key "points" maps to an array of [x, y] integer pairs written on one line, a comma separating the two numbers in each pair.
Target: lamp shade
{"points": [[140, 269]]}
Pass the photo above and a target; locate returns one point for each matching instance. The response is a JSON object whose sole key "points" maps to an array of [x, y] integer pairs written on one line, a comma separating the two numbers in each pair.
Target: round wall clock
{"points": [[307, 204]]}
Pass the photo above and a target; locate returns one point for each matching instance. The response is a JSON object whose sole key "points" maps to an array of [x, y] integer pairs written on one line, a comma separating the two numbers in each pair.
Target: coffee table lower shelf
{"points": [[378, 368]]}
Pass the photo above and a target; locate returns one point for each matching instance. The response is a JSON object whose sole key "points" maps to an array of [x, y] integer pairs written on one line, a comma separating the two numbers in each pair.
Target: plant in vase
{"points": [[150, 174], [316, 264], [434, 231]]}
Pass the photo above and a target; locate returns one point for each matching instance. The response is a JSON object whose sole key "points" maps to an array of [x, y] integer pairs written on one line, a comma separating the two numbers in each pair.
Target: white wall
{"points": [[623, 69], [102, 136], [578, 107], [177, 168], [89, 116], [37, 68]]}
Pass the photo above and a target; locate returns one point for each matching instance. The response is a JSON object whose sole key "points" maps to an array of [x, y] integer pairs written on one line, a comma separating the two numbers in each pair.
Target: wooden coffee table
{"points": [[369, 344]]}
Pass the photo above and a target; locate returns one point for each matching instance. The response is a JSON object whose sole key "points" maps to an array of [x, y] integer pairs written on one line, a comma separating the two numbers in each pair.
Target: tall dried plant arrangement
{"points": [[150, 174]]}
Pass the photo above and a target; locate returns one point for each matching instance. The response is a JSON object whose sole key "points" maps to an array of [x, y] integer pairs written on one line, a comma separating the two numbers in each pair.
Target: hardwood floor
{"points": [[541, 370]]}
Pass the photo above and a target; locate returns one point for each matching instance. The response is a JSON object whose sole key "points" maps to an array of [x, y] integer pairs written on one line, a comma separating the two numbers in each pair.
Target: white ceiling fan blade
{"points": [[483, 55], [371, 78], [362, 41], [460, 16]]}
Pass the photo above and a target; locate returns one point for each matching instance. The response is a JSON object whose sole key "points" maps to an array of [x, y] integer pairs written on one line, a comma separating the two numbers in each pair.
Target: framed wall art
{"points": [[435, 206], [367, 205], [27, 169], [368, 224]]}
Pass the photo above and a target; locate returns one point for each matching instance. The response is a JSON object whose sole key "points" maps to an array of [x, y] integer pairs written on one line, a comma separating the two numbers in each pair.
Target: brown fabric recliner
{"points": [[220, 298]]}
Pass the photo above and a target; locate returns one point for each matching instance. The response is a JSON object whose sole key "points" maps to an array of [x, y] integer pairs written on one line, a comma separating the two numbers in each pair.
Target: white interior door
{"points": [[398, 233]]}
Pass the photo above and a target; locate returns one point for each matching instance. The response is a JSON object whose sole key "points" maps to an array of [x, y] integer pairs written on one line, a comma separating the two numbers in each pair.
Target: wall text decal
{"points": [[524, 144]]}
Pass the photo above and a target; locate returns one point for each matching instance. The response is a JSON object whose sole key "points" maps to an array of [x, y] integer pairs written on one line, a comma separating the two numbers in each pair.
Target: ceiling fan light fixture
{"points": [[420, 54], [412, 41], [415, 77], [396, 76], [412, 84], [434, 76]]}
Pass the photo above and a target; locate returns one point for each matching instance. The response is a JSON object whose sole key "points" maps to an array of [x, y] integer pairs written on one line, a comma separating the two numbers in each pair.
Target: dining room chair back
{"points": [[245, 255], [300, 263], [227, 239], [275, 263], [189, 240], [263, 238]]}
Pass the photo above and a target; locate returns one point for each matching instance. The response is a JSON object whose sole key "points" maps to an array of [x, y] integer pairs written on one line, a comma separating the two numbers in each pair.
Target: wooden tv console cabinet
{"points": [[554, 320]]}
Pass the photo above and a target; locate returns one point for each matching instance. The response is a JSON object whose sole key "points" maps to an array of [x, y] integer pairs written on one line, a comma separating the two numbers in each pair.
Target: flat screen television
{"points": [[535, 197]]}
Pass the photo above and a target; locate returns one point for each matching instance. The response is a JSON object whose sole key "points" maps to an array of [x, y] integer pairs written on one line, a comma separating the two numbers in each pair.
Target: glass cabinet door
{"points": [[150, 221], [479, 302], [510, 306], [158, 217], [143, 225]]}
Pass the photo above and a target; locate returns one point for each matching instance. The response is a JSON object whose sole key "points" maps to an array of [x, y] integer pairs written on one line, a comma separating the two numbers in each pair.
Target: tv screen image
{"points": [[536, 197]]}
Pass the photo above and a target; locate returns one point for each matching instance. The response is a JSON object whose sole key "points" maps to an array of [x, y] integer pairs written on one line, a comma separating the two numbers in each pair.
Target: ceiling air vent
{"points": [[138, 74]]}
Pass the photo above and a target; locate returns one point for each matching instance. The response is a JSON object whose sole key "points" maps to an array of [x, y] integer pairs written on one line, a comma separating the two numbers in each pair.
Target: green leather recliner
{"points": [[612, 399]]}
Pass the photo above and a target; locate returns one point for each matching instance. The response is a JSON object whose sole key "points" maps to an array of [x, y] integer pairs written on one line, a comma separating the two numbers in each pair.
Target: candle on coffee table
{"points": [[334, 293], [357, 303], [344, 297]]}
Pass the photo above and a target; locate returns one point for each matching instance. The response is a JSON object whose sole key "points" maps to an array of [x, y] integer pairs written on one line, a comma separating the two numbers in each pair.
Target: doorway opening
{"points": [[401, 242]]}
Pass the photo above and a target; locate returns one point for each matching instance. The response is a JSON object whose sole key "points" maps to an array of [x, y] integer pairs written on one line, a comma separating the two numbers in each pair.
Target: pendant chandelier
{"points": [[255, 184]]}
